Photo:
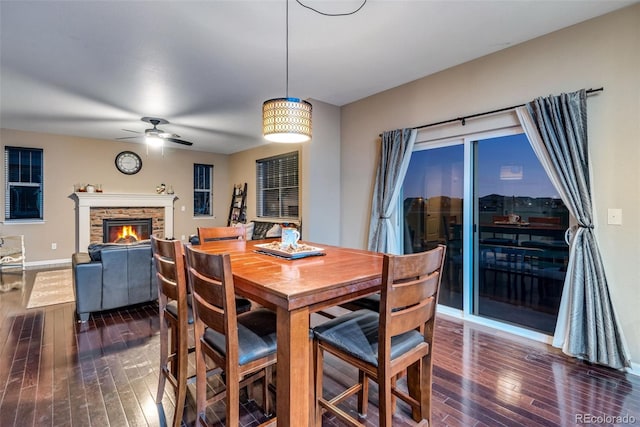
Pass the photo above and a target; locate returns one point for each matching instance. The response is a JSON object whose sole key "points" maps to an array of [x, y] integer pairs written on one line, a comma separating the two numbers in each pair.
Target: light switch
{"points": [[614, 217]]}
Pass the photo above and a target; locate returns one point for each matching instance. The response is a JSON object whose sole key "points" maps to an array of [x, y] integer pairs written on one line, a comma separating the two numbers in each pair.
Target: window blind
{"points": [[277, 186]]}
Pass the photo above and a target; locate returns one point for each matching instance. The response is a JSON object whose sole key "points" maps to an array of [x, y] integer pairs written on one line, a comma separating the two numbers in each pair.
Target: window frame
{"points": [[202, 184], [33, 169], [284, 177]]}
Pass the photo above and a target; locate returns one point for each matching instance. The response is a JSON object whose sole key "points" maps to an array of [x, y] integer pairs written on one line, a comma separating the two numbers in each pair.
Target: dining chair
{"points": [[208, 234], [244, 346], [385, 344], [176, 317]]}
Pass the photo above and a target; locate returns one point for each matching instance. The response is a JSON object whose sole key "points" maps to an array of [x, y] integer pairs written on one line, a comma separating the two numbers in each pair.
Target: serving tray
{"points": [[302, 251]]}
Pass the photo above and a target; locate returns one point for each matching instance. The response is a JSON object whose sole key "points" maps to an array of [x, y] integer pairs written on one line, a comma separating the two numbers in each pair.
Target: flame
{"points": [[127, 233]]}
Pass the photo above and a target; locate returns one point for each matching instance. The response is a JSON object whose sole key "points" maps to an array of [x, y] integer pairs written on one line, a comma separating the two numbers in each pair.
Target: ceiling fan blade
{"points": [[167, 135], [129, 130], [128, 137], [179, 141]]}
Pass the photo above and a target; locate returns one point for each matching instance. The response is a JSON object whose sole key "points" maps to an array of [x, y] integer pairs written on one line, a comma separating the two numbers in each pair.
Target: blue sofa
{"points": [[112, 275]]}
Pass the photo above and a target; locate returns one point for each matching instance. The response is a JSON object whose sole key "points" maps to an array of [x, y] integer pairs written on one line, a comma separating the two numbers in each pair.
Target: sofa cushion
{"points": [[95, 249], [275, 231]]}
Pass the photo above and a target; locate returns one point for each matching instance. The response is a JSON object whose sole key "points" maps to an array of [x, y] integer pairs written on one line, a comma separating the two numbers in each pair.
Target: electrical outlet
{"points": [[183, 208], [183, 238], [54, 246]]}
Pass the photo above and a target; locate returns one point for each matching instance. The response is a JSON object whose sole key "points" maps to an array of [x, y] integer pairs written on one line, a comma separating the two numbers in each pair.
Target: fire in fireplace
{"points": [[126, 230]]}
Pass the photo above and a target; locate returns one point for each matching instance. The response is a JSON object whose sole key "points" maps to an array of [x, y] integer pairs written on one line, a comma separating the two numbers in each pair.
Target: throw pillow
{"points": [[275, 231], [260, 230], [248, 228]]}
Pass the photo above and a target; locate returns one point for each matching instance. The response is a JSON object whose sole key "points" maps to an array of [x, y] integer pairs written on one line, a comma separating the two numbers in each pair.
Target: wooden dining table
{"points": [[295, 288]]}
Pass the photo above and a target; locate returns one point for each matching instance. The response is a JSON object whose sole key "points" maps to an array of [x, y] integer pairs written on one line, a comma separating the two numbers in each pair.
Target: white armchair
{"points": [[12, 251]]}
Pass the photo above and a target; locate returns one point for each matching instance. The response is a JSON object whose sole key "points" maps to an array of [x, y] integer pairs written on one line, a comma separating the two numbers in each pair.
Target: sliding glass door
{"points": [[433, 206], [521, 254], [491, 203]]}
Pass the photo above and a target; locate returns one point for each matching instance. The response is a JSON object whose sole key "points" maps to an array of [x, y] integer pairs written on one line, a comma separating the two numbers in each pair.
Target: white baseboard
{"points": [[48, 263], [634, 369]]}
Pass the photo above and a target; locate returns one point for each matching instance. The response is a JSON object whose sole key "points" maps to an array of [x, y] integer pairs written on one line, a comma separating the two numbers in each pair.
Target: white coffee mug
{"points": [[513, 218], [290, 237]]}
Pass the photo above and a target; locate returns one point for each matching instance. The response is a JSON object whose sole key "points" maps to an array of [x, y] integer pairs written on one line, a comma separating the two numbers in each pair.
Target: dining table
{"points": [[294, 288]]}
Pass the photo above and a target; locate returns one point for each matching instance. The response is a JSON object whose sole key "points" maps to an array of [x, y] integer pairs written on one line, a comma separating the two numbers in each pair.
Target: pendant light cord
{"points": [[332, 14], [287, 31], [287, 50]]}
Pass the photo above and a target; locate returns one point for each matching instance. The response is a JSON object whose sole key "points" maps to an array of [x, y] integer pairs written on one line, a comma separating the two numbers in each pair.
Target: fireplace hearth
{"points": [[126, 230]]}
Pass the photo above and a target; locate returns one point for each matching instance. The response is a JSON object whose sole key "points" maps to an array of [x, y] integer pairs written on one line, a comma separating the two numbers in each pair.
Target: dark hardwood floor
{"points": [[57, 372]]}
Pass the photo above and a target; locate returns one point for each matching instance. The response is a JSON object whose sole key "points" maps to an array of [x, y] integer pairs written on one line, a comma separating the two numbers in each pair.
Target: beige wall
{"points": [[70, 160], [601, 52]]}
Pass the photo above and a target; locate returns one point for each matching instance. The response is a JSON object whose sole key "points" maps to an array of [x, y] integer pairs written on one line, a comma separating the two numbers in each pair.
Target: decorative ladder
{"points": [[238, 208]]}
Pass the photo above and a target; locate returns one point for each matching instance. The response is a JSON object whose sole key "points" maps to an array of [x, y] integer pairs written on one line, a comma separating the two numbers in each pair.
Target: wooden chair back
{"points": [[168, 257], [213, 296], [409, 295], [207, 234]]}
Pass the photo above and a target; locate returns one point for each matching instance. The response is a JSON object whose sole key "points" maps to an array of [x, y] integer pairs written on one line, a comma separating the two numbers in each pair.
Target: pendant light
{"points": [[286, 119]]}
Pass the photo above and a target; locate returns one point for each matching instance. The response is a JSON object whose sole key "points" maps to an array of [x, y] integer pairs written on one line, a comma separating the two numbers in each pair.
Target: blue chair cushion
{"points": [[256, 336], [172, 307], [370, 302], [356, 333], [242, 305]]}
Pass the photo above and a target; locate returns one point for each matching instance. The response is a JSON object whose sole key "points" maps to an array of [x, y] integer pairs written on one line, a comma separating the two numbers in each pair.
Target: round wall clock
{"points": [[128, 162]]}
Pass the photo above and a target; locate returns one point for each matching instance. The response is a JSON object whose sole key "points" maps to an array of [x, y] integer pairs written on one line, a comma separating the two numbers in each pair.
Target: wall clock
{"points": [[128, 162]]}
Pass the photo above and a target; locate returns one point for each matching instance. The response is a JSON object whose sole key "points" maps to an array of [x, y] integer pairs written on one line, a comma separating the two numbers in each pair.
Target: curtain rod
{"points": [[464, 118]]}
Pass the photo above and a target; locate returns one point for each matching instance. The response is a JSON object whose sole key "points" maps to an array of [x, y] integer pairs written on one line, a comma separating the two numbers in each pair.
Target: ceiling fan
{"points": [[158, 134]]}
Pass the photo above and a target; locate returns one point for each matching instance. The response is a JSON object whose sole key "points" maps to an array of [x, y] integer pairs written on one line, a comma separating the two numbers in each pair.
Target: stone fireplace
{"points": [[94, 208]]}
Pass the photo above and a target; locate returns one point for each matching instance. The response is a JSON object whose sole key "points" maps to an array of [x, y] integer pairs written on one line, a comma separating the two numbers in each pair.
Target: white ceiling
{"points": [[94, 68]]}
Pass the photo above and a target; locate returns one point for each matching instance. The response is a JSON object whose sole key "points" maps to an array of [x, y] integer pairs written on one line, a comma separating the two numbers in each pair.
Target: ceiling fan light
{"points": [[286, 120], [154, 141]]}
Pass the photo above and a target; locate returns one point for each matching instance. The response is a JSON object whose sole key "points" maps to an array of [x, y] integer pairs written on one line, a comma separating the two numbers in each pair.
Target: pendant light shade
{"points": [[286, 120]]}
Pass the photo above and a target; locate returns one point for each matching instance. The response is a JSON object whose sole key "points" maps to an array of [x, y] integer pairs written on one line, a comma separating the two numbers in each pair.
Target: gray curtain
{"points": [[586, 326], [395, 153]]}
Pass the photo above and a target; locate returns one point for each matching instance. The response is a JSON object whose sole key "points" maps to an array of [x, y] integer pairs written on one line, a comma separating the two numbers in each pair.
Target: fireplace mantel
{"points": [[86, 201]]}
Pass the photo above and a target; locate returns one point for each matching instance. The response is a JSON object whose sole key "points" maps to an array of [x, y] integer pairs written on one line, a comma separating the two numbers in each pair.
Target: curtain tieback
{"points": [[384, 217], [586, 226]]}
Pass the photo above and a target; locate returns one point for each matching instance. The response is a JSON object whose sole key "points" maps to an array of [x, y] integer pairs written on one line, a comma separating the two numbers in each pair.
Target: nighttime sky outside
{"points": [[441, 170]]}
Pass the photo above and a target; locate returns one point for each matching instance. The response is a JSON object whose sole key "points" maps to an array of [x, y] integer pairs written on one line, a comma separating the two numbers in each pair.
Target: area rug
{"points": [[51, 287]]}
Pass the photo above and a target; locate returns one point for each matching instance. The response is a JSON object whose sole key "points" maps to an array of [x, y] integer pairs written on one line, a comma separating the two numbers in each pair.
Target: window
{"points": [[202, 190], [23, 183], [277, 186]]}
